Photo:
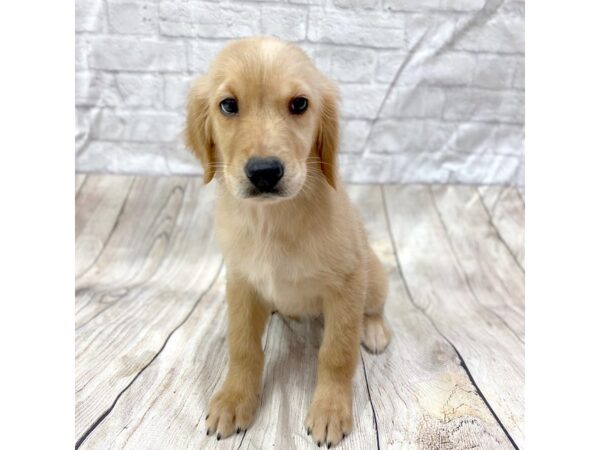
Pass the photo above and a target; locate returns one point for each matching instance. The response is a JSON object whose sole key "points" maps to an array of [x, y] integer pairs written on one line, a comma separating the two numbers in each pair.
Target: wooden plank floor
{"points": [[150, 322]]}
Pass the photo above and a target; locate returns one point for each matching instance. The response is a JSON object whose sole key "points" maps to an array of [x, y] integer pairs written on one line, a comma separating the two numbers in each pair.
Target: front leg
{"points": [[329, 418], [233, 407]]}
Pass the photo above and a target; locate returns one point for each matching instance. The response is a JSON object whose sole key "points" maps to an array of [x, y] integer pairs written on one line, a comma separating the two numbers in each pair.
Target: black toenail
{"points": [[206, 418], [238, 430], [329, 445], [344, 435], [219, 437], [319, 444], [308, 431], [208, 432]]}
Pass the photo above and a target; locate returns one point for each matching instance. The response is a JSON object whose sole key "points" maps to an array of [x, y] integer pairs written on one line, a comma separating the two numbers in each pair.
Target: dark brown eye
{"points": [[229, 106], [298, 105]]}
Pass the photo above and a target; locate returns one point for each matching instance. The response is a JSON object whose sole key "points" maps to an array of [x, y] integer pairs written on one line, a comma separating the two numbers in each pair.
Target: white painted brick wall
{"points": [[432, 89]]}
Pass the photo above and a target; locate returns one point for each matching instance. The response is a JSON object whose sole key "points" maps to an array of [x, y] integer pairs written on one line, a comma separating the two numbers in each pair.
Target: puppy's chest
{"points": [[285, 276]]}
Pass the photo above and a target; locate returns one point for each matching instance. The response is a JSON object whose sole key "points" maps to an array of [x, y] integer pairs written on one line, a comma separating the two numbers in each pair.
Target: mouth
{"points": [[262, 195]]}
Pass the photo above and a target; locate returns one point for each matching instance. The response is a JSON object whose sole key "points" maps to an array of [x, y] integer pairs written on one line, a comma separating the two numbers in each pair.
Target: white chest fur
{"points": [[285, 275]]}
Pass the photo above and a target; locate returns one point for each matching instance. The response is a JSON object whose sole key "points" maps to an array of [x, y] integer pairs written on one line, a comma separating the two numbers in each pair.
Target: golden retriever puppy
{"points": [[264, 123]]}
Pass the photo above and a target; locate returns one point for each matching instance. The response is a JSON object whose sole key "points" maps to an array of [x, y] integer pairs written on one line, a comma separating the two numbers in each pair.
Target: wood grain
{"points": [[159, 260], [437, 284], [100, 201], [150, 325], [506, 209], [79, 181], [422, 395], [487, 265], [165, 407]]}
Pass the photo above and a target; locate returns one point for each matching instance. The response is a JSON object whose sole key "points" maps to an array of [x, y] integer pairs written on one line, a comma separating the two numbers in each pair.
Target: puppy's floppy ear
{"points": [[328, 134], [198, 131]]}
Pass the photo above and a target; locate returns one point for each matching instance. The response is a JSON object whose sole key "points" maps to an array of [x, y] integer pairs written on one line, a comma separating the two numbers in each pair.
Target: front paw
{"points": [[229, 411], [329, 418]]}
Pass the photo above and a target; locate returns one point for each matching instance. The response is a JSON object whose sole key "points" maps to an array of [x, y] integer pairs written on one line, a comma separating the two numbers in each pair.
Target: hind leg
{"points": [[376, 334]]}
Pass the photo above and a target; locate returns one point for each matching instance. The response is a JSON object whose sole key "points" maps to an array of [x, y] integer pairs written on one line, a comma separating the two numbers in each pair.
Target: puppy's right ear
{"points": [[198, 131]]}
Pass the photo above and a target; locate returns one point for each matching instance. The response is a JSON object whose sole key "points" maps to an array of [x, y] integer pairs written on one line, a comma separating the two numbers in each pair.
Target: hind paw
{"points": [[376, 334]]}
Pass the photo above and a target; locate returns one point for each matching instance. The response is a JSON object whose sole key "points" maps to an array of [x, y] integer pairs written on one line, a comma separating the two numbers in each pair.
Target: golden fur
{"points": [[303, 252]]}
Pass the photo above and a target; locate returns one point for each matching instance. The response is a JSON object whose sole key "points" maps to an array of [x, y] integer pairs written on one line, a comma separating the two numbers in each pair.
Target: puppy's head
{"points": [[265, 120]]}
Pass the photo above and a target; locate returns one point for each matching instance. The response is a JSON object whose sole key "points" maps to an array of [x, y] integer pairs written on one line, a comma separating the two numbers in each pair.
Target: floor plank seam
{"points": [[112, 230], [462, 270], [520, 195], [500, 237], [463, 364], [370, 400], [105, 414], [433, 324], [81, 186]]}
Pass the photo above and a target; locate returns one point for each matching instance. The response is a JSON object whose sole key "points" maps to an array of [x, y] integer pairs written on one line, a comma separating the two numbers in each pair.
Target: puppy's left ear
{"points": [[328, 134]]}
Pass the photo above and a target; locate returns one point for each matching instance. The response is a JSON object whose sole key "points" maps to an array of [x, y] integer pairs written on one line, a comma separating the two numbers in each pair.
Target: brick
{"points": [[433, 5], [484, 105], [211, 20], [364, 4], [89, 16], [512, 7], [141, 126], [356, 168], [449, 69], [469, 137], [96, 89], [201, 54], [345, 64], [361, 101], [133, 17], [177, 88], [509, 140], [353, 135], [123, 157], [352, 65], [503, 33], [472, 137], [444, 69], [370, 28], [309, 2], [432, 31], [134, 54], [287, 22], [180, 161], [82, 52], [83, 120], [437, 134], [140, 89], [388, 63], [321, 58], [396, 136], [486, 168], [446, 167], [421, 102], [518, 178], [519, 76], [494, 71]]}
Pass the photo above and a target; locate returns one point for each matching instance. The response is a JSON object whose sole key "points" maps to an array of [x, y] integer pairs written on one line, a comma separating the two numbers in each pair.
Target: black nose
{"points": [[264, 173]]}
